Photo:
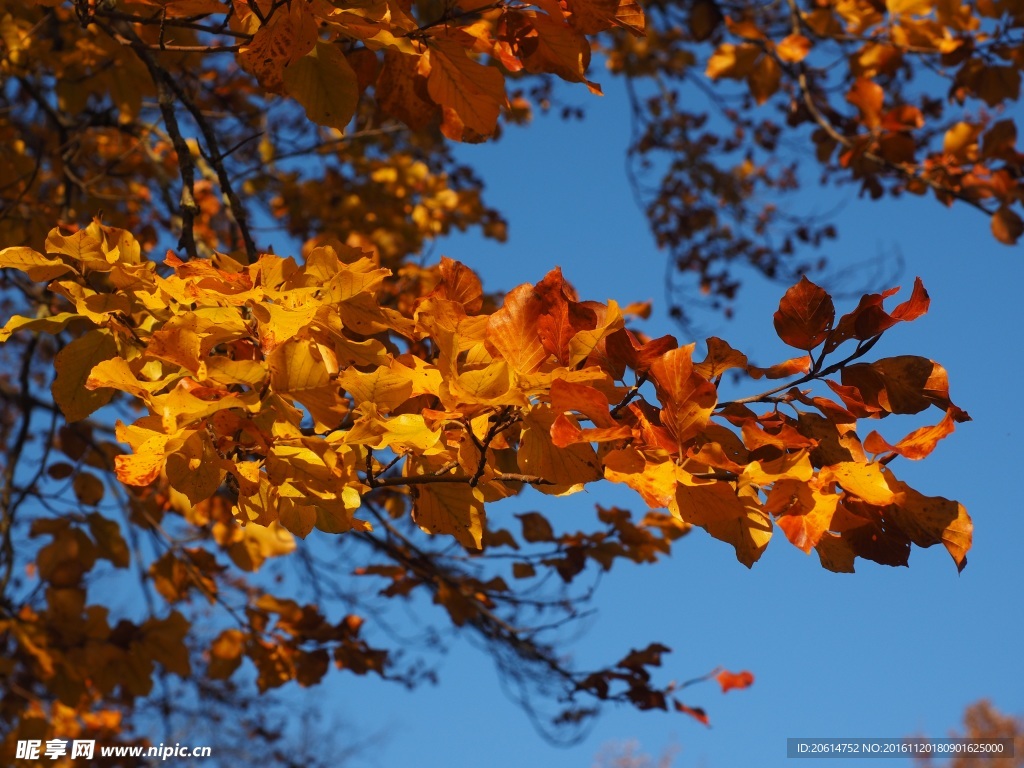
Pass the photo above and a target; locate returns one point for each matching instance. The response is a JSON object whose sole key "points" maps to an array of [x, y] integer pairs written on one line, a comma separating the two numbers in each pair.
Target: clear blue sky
{"points": [[885, 652]]}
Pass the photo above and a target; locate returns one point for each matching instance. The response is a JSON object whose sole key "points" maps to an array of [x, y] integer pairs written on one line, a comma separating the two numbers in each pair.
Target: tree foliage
{"points": [[207, 418], [982, 721]]}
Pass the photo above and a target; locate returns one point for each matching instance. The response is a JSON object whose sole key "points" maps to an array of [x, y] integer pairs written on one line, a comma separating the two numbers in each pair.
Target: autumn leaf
{"points": [[513, 331], [324, 84], [718, 509], [793, 48], [721, 357], [697, 713], [868, 97], [37, 266], [1007, 226], [730, 680], [474, 92], [805, 315], [74, 366], [453, 509]]}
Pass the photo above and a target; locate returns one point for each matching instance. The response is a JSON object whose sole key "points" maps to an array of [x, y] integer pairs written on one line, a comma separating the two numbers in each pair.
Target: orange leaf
{"points": [[929, 520], [736, 520], [476, 93], [687, 398], [793, 48], [729, 680], [720, 358], [451, 508], [803, 514], [282, 41], [805, 315], [870, 319], [536, 527], [868, 97], [782, 370], [561, 317], [624, 349], [918, 443], [593, 16], [460, 284], [513, 333], [904, 384], [401, 91], [570, 396]]}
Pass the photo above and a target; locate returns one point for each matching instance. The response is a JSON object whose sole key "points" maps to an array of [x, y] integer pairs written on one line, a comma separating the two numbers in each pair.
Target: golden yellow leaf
{"points": [[195, 469], [38, 267], [74, 364], [911, 7], [567, 469], [383, 387], [788, 466], [450, 508], [793, 48], [865, 481], [297, 371], [258, 544]]}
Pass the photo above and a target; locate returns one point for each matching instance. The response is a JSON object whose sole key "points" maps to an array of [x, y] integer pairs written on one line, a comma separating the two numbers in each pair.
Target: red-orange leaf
{"points": [[918, 443], [782, 370], [474, 92], [870, 318], [729, 680], [805, 315], [561, 317]]}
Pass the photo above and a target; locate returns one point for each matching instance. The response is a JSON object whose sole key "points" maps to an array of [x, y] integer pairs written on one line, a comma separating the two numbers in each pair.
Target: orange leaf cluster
{"points": [[298, 387]]}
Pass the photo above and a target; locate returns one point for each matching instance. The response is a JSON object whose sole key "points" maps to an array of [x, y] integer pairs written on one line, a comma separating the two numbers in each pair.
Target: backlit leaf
{"points": [[325, 85], [805, 315]]}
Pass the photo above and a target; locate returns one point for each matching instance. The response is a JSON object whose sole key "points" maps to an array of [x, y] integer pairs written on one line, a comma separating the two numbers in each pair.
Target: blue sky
{"points": [[885, 652]]}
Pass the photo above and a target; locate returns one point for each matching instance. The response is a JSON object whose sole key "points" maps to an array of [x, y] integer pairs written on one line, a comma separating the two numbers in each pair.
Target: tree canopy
{"points": [[202, 414]]}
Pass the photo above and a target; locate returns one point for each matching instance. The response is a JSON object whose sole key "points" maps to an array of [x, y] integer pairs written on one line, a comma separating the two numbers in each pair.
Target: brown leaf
{"points": [[929, 520], [1007, 226], [696, 713], [536, 527], [904, 384], [764, 79]]}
